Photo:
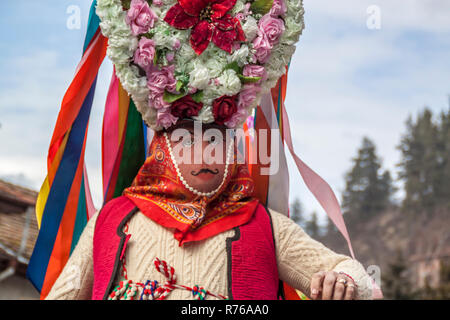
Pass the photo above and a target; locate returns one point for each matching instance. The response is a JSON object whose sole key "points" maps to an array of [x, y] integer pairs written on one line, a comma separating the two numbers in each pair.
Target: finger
{"points": [[316, 284], [339, 289], [328, 285], [350, 291]]}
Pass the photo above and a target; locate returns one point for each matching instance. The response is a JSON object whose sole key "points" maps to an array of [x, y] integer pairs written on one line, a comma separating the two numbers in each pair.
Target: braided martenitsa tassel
{"points": [[152, 290]]}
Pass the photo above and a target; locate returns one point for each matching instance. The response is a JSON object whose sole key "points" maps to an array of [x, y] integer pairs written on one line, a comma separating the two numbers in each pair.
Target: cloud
{"points": [[29, 106], [423, 15], [347, 81]]}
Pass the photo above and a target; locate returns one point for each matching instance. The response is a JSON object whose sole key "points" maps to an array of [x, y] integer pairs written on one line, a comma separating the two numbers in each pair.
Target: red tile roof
{"points": [[17, 194], [13, 224]]}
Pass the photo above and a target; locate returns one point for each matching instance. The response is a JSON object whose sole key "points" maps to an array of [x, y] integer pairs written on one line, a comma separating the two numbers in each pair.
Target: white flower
{"points": [[250, 28], [149, 115], [241, 55], [238, 7], [293, 31], [164, 35], [215, 67], [117, 55], [205, 115], [199, 77], [229, 83], [185, 57]]}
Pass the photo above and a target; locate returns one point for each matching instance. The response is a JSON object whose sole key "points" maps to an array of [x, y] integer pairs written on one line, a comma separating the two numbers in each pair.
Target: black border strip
{"points": [[229, 241], [122, 236]]}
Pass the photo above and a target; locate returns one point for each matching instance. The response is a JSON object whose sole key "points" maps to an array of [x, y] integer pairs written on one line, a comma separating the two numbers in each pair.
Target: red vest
{"points": [[252, 268]]}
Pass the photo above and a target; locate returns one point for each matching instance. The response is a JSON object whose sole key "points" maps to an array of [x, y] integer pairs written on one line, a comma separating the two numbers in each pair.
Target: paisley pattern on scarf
{"points": [[160, 195]]}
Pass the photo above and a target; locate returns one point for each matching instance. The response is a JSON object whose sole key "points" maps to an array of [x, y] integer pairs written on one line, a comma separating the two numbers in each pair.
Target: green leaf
{"points": [[180, 75], [150, 34], [180, 84], [261, 6], [245, 79], [234, 66], [172, 97], [197, 97]]}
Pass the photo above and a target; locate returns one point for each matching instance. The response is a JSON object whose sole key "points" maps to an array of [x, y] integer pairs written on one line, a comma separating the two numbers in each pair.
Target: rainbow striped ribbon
{"points": [[124, 142], [64, 204]]}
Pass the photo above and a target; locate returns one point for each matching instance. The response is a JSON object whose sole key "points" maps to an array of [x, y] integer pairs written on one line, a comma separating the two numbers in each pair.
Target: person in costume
{"points": [[173, 236], [190, 226]]}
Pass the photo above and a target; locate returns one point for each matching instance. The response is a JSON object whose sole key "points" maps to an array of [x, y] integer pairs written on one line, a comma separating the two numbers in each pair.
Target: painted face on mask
{"points": [[201, 152]]}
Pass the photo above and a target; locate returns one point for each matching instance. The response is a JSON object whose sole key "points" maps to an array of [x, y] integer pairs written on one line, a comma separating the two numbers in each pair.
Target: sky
{"points": [[360, 69]]}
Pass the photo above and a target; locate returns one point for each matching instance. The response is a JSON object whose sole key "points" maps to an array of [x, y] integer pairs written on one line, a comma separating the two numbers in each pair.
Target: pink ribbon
{"points": [[89, 203], [110, 140], [324, 195]]}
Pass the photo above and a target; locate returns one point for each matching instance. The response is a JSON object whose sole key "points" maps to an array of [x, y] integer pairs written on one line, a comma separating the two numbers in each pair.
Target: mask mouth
{"points": [[205, 170], [183, 180]]}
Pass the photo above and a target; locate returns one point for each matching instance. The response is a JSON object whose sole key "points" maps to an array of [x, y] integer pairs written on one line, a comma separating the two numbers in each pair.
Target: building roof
{"points": [[18, 228], [17, 194]]}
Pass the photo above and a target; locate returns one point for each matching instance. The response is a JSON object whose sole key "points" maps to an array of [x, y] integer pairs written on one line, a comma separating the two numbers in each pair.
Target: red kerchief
{"points": [[159, 193]]}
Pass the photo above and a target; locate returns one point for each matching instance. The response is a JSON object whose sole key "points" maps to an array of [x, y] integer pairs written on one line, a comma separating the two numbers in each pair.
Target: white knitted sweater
{"points": [[204, 263]]}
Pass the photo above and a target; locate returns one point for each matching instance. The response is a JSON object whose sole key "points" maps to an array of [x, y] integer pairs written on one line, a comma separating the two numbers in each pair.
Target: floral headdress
{"points": [[208, 60]]}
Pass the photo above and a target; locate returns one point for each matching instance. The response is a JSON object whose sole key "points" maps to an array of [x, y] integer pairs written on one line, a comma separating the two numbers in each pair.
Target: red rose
{"points": [[223, 108], [185, 107], [209, 21]]}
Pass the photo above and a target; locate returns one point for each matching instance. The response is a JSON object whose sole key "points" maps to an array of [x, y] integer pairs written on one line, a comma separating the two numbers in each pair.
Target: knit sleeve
{"points": [[299, 257], [76, 280]]}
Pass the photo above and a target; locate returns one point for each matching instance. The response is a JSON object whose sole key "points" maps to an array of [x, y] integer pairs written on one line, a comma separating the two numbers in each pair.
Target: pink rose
{"points": [[165, 119], [171, 81], [156, 82], [170, 56], [145, 53], [262, 47], [161, 80], [237, 118], [157, 2], [140, 17], [247, 95], [272, 27], [255, 71], [157, 102], [279, 8]]}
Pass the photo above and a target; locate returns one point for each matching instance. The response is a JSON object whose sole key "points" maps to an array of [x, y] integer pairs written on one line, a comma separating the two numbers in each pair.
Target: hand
{"points": [[332, 286]]}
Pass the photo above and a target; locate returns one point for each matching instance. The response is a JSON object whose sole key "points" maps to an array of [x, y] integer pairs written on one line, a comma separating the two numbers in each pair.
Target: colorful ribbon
{"points": [[64, 203]]}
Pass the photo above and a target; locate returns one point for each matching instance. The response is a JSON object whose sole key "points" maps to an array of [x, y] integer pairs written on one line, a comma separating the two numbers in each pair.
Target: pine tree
{"points": [[442, 186], [330, 228], [420, 162], [396, 284], [312, 226], [296, 213], [367, 191]]}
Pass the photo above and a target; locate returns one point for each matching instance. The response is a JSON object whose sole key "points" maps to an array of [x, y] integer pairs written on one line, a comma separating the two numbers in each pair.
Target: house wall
{"points": [[17, 288], [428, 272]]}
